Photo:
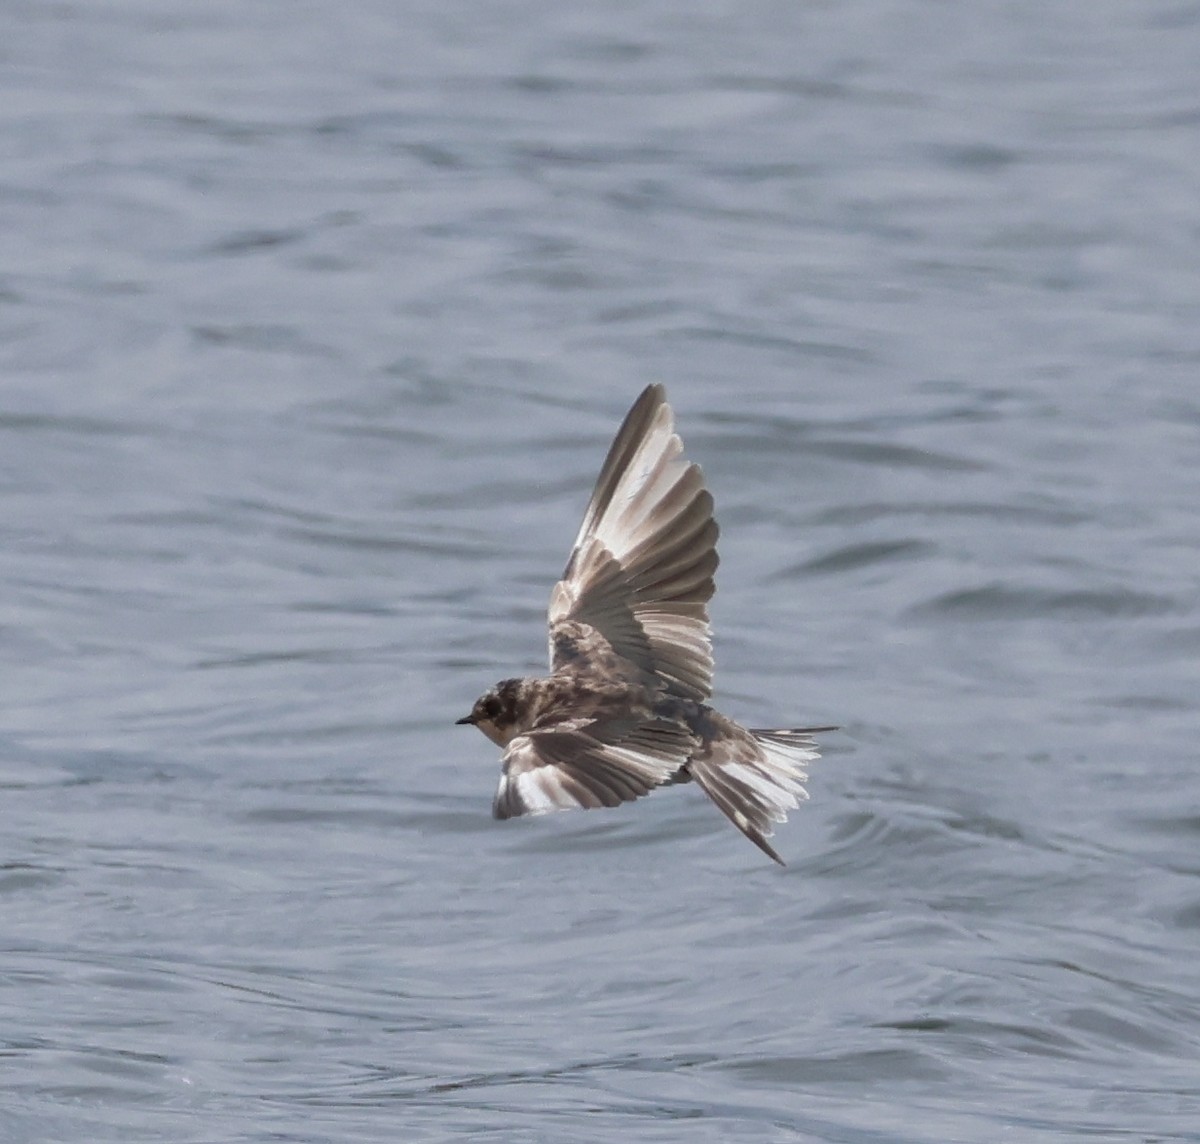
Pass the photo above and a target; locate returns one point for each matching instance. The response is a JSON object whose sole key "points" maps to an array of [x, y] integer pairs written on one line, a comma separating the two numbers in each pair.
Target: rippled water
{"points": [[315, 324]]}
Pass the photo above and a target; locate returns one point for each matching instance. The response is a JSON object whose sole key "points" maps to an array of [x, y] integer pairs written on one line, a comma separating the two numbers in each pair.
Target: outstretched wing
{"points": [[563, 769], [641, 571]]}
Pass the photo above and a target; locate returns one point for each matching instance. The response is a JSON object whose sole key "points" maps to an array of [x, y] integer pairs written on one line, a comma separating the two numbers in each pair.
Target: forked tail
{"points": [[756, 778]]}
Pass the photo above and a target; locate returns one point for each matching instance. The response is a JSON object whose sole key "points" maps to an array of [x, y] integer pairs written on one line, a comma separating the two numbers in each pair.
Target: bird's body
{"points": [[624, 709]]}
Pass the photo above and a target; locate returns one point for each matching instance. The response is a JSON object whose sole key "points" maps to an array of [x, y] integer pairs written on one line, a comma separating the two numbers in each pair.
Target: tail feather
{"points": [[791, 736], [756, 777]]}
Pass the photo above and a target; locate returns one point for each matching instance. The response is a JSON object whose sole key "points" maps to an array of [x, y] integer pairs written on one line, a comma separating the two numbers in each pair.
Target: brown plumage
{"points": [[624, 709]]}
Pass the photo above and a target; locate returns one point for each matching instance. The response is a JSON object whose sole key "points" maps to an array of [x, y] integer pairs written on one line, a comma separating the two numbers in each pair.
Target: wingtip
{"points": [[650, 403]]}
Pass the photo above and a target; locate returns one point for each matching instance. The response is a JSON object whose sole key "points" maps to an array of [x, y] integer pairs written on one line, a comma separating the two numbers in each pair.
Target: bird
{"points": [[625, 709]]}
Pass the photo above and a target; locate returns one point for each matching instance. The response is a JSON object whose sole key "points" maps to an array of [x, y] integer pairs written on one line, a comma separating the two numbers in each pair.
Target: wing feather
{"points": [[641, 570], [547, 770]]}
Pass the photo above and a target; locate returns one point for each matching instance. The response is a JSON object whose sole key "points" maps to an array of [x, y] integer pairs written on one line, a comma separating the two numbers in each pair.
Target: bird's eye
{"points": [[491, 707]]}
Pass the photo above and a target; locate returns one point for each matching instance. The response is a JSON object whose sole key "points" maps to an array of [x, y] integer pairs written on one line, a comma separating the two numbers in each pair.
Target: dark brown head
{"points": [[500, 712]]}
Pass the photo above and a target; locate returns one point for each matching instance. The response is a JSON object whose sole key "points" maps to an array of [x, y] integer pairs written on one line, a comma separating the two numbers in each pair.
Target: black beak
{"points": [[465, 719]]}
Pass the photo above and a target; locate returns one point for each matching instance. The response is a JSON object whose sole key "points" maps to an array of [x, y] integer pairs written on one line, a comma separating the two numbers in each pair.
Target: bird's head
{"points": [[498, 712]]}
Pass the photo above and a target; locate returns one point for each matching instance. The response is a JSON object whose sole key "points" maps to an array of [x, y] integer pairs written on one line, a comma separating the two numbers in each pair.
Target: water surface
{"points": [[315, 326]]}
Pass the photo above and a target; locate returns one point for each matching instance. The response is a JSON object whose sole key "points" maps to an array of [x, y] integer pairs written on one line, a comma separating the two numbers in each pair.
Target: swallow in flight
{"points": [[625, 707]]}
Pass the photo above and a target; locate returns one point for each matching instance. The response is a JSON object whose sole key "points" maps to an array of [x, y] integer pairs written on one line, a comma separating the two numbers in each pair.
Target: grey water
{"points": [[315, 323]]}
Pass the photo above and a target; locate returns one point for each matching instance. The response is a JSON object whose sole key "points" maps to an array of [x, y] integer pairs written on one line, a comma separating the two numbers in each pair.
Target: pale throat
{"points": [[501, 736]]}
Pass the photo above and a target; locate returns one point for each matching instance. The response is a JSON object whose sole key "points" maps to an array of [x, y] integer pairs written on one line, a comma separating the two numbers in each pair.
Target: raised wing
{"points": [[641, 571], [564, 769]]}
